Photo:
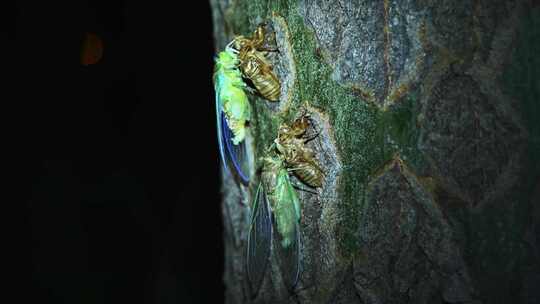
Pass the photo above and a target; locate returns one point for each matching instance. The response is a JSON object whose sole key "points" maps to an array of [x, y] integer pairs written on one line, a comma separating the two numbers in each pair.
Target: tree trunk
{"points": [[429, 141]]}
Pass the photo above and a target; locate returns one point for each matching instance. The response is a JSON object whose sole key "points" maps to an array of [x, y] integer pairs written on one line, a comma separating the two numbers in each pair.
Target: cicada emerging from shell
{"points": [[242, 58], [276, 204], [233, 111]]}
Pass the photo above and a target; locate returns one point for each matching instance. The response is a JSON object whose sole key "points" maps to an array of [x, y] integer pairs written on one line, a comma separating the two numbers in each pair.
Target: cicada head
{"points": [[226, 60]]}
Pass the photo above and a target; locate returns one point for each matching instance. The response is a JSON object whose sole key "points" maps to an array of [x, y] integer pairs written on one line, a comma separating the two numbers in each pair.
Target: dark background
{"points": [[118, 165]]}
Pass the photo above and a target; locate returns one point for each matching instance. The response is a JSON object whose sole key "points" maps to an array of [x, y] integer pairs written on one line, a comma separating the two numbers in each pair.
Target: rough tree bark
{"points": [[429, 139]]}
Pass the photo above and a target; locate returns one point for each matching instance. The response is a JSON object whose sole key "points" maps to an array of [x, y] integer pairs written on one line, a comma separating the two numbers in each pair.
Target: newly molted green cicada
{"points": [[276, 204], [232, 111]]}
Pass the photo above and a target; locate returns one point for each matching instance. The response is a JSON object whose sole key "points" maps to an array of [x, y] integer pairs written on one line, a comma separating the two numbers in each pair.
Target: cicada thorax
{"points": [[291, 144], [301, 161], [287, 133], [271, 169], [255, 67], [300, 126], [297, 129], [258, 36]]}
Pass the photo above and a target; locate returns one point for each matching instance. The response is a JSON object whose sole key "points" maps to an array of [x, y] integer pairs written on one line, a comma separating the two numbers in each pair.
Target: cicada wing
{"points": [[219, 123], [286, 217], [289, 257], [259, 240], [237, 154]]}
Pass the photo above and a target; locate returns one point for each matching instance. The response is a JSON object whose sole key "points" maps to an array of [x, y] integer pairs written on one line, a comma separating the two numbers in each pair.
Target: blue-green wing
{"points": [[228, 152], [237, 154], [259, 240], [219, 116], [287, 245]]}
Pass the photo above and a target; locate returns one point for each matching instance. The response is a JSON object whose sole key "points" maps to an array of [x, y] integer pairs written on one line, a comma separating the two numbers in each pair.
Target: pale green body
{"points": [[283, 200], [230, 95]]}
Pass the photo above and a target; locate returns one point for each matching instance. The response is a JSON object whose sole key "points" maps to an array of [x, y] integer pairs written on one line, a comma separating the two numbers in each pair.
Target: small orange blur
{"points": [[92, 49]]}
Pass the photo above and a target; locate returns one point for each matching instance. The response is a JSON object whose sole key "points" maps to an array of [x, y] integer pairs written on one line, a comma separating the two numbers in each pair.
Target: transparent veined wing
{"points": [[259, 240]]}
